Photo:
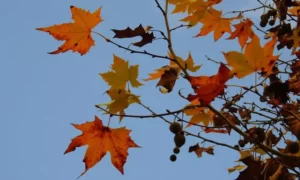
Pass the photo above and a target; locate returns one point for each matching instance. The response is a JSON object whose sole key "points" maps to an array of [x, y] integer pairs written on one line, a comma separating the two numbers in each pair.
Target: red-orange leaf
{"points": [[243, 31], [101, 139], [209, 87], [77, 35]]}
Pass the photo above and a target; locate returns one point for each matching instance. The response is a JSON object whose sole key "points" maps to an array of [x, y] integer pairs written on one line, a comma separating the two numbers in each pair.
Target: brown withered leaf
{"points": [[294, 81], [277, 91], [138, 31], [245, 114], [271, 139], [290, 162], [220, 122], [291, 112], [257, 133], [254, 166], [168, 78], [199, 150], [281, 5], [275, 171]]}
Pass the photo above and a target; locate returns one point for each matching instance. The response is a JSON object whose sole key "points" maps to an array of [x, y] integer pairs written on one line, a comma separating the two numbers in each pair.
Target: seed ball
{"points": [[173, 157], [176, 150], [179, 140], [175, 127]]}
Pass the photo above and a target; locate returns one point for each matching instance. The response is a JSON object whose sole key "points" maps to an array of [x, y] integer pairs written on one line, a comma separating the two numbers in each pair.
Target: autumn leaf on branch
{"points": [[100, 140], [121, 74], [243, 31], [169, 74], [236, 168], [187, 64], [77, 35], [199, 150], [181, 6], [214, 22], [209, 87], [138, 31], [120, 100], [199, 114], [294, 81], [196, 9], [255, 58]]}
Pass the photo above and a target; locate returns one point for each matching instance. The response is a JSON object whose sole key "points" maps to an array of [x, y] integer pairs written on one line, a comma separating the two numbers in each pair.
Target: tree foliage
{"points": [[261, 124]]}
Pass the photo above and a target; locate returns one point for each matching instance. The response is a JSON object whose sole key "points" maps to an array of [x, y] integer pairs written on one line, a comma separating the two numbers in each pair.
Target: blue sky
{"points": [[42, 94]]}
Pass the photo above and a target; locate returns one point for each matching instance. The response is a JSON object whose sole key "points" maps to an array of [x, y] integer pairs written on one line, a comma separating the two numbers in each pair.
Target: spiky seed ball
{"points": [[263, 23], [179, 140], [175, 127], [272, 22], [173, 157], [176, 150]]}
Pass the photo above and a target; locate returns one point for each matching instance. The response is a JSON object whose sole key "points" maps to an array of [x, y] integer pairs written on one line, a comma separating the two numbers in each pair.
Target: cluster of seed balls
{"points": [[264, 19], [179, 138]]}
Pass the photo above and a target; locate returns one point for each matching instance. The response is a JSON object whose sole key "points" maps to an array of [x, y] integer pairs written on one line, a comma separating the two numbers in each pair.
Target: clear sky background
{"points": [[42, 94]]}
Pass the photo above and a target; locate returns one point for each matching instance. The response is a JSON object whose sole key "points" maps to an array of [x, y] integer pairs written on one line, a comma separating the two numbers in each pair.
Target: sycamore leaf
{"points": [[121, 74], [213, 21], [182, 6], [138, 31], [100, 140], [169, 74], [244, 155], [294, 10], [199, 114], [294, 81], [236, 168], [258, 150], [209, 87], [243, 31], [199, 150], [188, 63], [120, 100], [77, 35], [168, 79], [157, 74], [255, 58]]}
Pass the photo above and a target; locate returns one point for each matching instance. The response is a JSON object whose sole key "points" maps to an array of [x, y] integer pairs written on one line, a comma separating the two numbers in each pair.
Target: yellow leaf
{"points": [[258, 150], [120, 100], [121, 74], [237, 167], [244, 154], [199, 114]]}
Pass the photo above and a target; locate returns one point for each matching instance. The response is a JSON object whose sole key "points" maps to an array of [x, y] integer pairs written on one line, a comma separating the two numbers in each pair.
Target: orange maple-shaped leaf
{"points": [[294, 10], [199, 114], [255, 58], [243, 31], [213, 21], [101, 139], [190, 6], [209, 87], [77, 35]]}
